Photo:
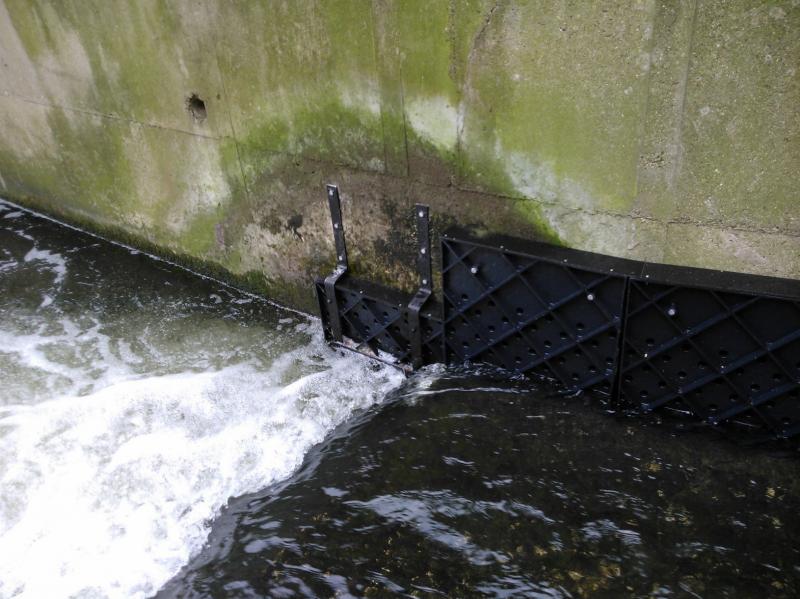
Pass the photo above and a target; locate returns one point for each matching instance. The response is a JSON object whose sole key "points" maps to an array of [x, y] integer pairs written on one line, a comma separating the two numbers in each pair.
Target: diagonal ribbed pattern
{"points": [[530, 315], [719, 356], [718, 348], [378, 318]]}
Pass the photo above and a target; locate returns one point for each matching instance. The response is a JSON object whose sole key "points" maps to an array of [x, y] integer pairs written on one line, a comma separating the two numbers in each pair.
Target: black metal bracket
{"points": [[341, 262], [425, 283], [714, 347], [374, 320]]}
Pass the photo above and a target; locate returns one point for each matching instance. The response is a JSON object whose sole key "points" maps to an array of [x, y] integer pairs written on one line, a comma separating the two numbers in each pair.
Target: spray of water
{"points": [[122, 436]]}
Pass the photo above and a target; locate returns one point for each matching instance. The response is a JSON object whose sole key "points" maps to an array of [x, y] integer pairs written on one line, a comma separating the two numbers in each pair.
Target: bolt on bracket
{"points": [[341, 262], [425, 283]]}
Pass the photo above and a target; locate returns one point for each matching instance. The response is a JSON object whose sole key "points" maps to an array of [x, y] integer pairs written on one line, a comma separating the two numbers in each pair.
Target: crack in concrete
{"points": [[677, 141], [564, 210], [460, 112], [482, 31], [647, 96], [711, 224], [391, 86], [376, 62], [110, 117], [228, 106], [549, 204]]}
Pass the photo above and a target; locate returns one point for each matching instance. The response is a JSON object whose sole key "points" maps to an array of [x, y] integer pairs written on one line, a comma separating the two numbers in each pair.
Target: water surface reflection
{"points": [[468, 483]]}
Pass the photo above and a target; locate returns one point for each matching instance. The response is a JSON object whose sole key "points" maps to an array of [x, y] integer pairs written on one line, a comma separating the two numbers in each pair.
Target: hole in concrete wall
{"points": [[196, 107]]}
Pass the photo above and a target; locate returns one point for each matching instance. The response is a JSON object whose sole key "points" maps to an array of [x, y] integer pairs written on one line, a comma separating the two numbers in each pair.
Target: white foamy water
{"points": [[123, 434]]}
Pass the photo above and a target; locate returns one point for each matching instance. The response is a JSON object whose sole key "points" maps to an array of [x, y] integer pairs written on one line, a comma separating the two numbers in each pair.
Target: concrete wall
{"points": [[657, 130]]}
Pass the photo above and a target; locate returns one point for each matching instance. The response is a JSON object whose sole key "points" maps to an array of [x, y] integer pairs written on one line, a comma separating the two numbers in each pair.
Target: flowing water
{"points": [[161, 434], [135, 400]]}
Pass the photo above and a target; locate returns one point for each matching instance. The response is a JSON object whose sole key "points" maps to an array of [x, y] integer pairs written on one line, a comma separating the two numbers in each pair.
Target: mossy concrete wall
{"points": [[656, 130]]}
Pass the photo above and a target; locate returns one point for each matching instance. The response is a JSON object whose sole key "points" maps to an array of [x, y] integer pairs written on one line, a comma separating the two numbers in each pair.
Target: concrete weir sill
{"points": [[655, 131]]}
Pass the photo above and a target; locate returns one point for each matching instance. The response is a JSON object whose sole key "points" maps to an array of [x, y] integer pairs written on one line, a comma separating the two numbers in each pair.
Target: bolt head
{"points": [[474, 270], [420, 214], [590, 297], [672, 311], [424, 281], [423, 251]]}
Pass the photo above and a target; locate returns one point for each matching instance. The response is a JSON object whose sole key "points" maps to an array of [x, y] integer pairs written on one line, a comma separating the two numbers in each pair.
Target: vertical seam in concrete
{"points": [[460, 80], [479, 35], [388, 66], [648, 93], [233, 134], [228, 107], [678, 139], [233, 130], [380, 83], [643, 126], [451, 36], [403, 110], [460, 113]]}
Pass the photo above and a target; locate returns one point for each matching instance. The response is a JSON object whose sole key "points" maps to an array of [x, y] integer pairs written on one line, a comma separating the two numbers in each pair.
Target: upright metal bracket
{"points": [[425, 283], [341, 262]]}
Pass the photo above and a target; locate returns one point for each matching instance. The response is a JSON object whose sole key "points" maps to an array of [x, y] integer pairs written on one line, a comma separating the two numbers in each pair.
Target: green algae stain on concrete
{"points": [[563, 106], [286, 187], [30, 20], [138, 61], [95, 182], [742, 121], [434, 39], [501, 106], [430, 95], [99, 179], [317, 132], [311, 59], [503, 116]]}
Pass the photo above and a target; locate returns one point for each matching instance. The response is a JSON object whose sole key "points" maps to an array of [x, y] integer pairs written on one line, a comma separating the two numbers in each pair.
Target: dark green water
{"points": [[466, 484], [163, 435]]}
